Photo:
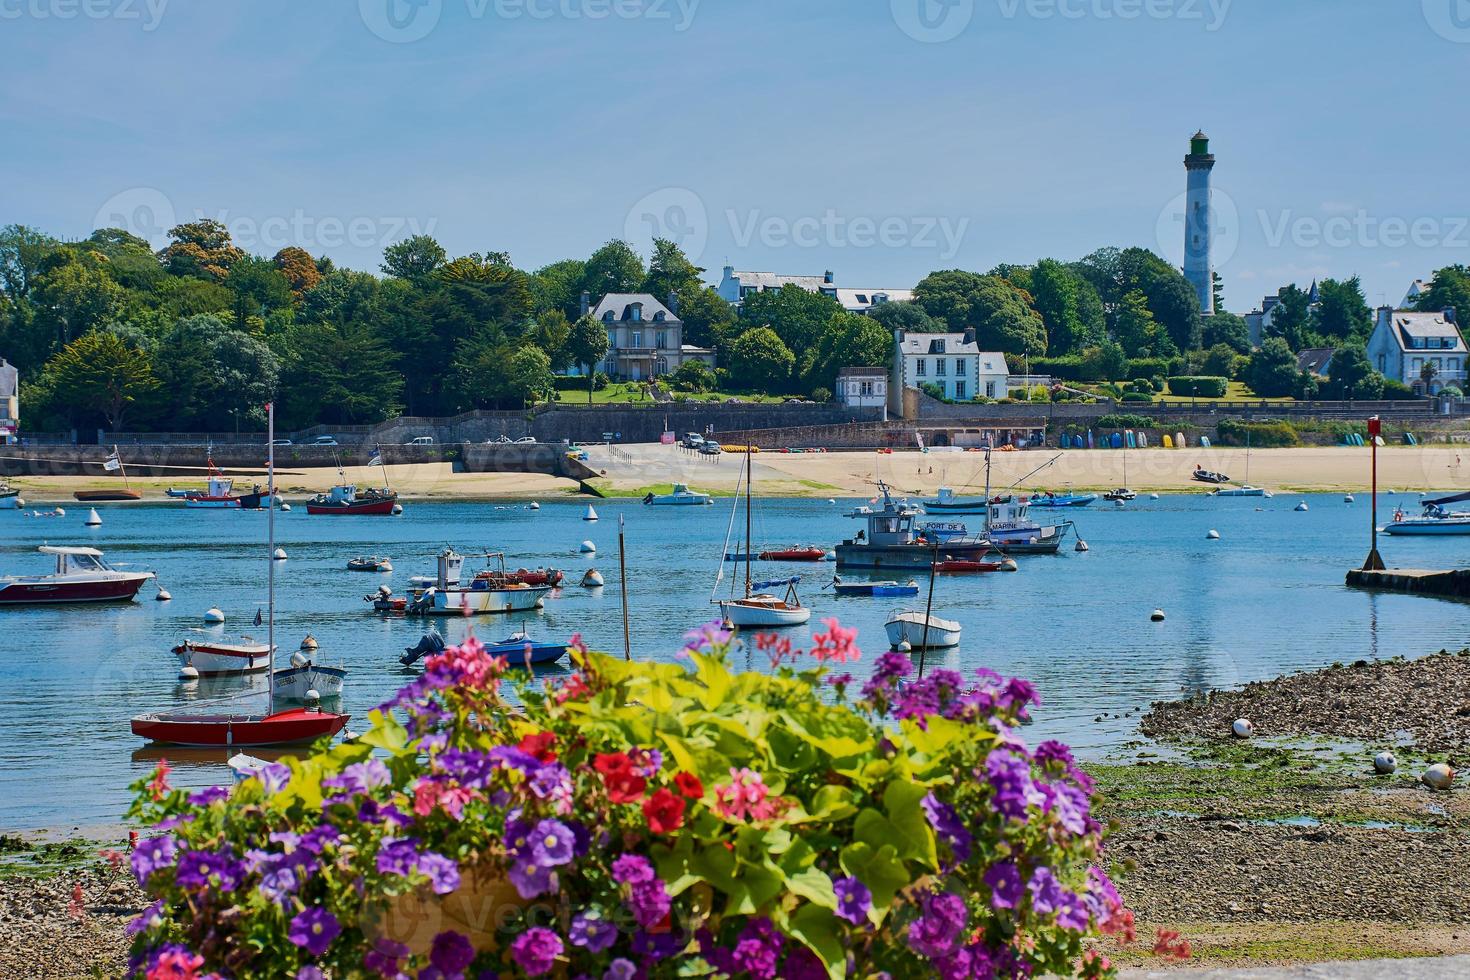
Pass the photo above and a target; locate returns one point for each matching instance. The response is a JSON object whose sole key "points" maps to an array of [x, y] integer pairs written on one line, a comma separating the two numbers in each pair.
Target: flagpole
{"points": [[384, 465], [121, 468], [270, 523], [623, 577]]}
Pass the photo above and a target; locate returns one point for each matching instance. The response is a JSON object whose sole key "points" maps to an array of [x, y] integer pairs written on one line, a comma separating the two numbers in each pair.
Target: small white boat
{"points": [[1245, 490], [491, 591], [219, 659], [908, 626], [304, 676], [1436, 519], [764, 609], [10, 497], [680, 496]]}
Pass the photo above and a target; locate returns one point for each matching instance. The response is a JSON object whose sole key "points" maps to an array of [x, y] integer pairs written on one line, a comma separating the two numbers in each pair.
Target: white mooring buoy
{"points": [[1347, 499], [163, 596], [1242, 728], [1153, 496], [588, 548], [188, 672], [593, 579], [1301, 506], [284, 506], [312, 694], [93, 518], [279, 554], [1081, 546], [397, 510], [309, 642], [59, 512], [904, 646], [1157, 615], [1212, 535], [213, 615], [534, 505], [1439, 776], [591, 514], [1384, 763]]}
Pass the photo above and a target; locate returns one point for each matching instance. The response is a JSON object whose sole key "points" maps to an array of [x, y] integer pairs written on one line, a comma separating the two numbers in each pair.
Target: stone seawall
{"points": [[1454, 584]]}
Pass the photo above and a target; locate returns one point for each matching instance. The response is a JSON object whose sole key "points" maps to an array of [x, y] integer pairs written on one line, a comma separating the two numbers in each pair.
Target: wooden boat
{"points": [[246, 729], [344, 500], [369, 563], [921, 632], [220, 659], [113, 464], [756, 609], [793, 554], [81, 576], [875, 589]]}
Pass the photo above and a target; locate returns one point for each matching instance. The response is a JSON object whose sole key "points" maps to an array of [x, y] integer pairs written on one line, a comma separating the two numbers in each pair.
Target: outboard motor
{"points": [[430, 643]]}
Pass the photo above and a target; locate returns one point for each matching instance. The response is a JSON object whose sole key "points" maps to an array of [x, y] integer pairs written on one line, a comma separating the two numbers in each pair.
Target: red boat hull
{"points": [[370, 508], [37, 594], [216, 731], [100, 496], [793, 554]]}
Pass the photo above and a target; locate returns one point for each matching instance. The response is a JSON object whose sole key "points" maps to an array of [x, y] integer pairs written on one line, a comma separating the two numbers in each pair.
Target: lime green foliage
{"points": [[718, 823]]}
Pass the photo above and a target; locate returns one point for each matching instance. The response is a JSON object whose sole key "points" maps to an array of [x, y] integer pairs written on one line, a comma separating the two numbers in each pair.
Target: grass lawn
{"points": [[1237, 392], [625, 394]]}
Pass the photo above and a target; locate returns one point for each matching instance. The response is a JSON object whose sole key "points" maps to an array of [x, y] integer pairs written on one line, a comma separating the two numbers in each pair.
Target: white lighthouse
{"points": [[1198, 268]]}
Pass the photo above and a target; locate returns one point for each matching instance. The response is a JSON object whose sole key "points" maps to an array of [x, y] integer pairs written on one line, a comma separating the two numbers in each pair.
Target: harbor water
{"points": [[1267, 597]]}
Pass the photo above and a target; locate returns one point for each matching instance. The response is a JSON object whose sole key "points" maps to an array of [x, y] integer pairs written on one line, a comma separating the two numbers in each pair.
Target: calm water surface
{"points": [[1266, 598]]}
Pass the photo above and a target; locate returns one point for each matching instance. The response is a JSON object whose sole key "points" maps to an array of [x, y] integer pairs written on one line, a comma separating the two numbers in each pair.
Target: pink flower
{"points": [[837, 644], [158, 786], [744, 797]]}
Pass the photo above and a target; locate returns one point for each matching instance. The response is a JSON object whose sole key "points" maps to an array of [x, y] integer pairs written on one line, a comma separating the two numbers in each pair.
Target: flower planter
{"points": [[478, 909]]}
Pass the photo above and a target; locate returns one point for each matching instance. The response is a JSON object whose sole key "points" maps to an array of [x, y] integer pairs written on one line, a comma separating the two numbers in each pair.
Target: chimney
{"points": [[1449, 314], [673, 303], [969, 335], [729, 272], [586, 302], [827, 277]]}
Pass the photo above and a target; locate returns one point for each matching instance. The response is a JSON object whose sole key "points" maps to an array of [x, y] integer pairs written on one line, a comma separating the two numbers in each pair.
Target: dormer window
{"points": [[607, 317], [862, 298], [660, 317], [635, 312]]}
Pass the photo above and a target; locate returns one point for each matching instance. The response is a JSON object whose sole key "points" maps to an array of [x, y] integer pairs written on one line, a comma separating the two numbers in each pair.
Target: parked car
{"points": [[420, 441], [325, 441], [280, 442], [693, 440], [711, 449], [526, 441], [502, 441]]}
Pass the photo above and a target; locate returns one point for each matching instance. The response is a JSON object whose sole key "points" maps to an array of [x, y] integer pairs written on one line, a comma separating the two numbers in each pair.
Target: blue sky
{"points": [[878, 139]]}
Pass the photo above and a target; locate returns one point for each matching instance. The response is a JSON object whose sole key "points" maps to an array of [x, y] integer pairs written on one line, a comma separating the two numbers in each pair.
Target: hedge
{"points": [[578, 382], [1137, 398], [1071, 368], [1199, 386], [1233, 432]]}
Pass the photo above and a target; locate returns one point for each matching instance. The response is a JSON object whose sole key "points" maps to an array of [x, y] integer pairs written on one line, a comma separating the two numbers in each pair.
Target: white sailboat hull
{"points": [[759, 611], [908, 627], [294, 682]]}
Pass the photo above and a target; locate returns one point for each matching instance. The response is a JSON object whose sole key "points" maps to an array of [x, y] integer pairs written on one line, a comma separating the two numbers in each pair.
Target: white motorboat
{"points": [[81, 576], [492, 591], [9, 497], [680, 496], [220, 659], [1245, 490], [756, 608], [304, 676], [911, 627]]}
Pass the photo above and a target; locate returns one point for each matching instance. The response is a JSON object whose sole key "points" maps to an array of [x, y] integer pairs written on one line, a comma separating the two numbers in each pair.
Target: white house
{"points": [[9, 402], [645, 338], [735, 286], [1402, 343], [1417, 288], [953, 362], [862, 387], [1258, 321]]}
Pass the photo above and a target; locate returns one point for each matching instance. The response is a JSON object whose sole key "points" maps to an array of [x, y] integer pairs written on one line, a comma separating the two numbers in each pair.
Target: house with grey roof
{"points": [[645, 337], [1404, 342], [951, 362], [9, 402], [735, 286], [1316, 361]]}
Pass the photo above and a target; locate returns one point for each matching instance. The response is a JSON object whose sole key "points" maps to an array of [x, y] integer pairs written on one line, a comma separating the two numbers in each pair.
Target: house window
{"points": [[637, 310], [939, 346], [990, 389], [662, 340], [959, 365], [607, 317], [1418, 364], [866, 388], [1380, 363], [939, 367], [959, 391], [1453, 364], [747, 290], [659, 317], [637, 339], [921, 367], [661, 365]]}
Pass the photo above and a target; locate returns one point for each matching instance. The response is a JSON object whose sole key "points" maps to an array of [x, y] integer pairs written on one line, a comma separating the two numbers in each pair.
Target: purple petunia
{"points": [[1072, 912], [210, 795], [531, 879], [513, 758], [650, 903], [853, 900], [443, 872], [592, 932], [147, 919], [197, 867], [360, 778], [152, 855], [451, 953], [630, 869], [385, 957], [948, 826], [552, 844], [278, 885], [620, 969], [939, 925], [1046, 891], [275, 776], [313, 930], [552, 782], [536, 950], [398, 856], [1010, 775], [1069, 804], [1004, 882], [655, 946], [309, 973]]}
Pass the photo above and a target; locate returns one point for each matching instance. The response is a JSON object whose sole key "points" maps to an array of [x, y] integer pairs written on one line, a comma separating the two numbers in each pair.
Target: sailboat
{"points": [[1245, 489], [1122, 493], [250, 729], [757, 608], [112, 464]]}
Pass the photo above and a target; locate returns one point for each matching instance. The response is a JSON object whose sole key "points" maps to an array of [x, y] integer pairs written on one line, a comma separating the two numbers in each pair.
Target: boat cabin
{"points": [[74, 561], [895, 524], [1008, 512]]}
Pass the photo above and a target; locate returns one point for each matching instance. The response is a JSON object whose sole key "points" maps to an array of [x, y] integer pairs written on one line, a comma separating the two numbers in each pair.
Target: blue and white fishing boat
{"points": [[518, 649], [1436, 519], [680, 496], [888, 589], [948, 502], [1068, 499]]}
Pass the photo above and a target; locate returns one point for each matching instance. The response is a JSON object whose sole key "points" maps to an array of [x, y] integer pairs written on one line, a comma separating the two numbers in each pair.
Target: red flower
{"points": [[539, 746], [158, 786], [625, 787], [664, 811], [689, 785], [1168, 945], [613, 764]]}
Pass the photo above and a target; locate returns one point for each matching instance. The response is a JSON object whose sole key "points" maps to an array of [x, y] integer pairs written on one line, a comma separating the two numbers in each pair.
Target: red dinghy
{"points": [[956, 565], [211, 731], [793, 554]]}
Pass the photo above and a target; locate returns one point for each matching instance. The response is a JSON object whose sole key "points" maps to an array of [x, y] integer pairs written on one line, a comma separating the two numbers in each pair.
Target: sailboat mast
{"points": [[749, 479], [987, 493], [383, 463], [121, 468], [270, 558], [623, 581]]}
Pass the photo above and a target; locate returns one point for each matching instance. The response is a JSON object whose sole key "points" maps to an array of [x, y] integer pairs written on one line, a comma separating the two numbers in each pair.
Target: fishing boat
{"points": [[947, 502], [344, 499], [369, 563], [920, 631], [531, 576], [1068, 499], [680, 496], [81, 576], [875, 589], [891, 538], [492, 591], [952, 566], [758, 609], [305, 678], [211, 658], [112, 464], [943, 531], [793, 554], [1435, 519], [1009, 527], [244, 728], [1207, 476], [9, 497], [219, 495]]}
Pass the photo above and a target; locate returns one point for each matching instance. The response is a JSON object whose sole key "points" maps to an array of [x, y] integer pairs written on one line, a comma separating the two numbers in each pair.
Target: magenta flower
{"points": [[853, 900], [948, 826], [313, 930], [620, 969], [629, 869], [536, 950], [935, 932], [451, 953], [650, 902], [385, 957]]}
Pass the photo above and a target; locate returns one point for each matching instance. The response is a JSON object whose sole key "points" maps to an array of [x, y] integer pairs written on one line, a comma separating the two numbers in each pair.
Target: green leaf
{"points": [[386, 733], [820, 931], [838, 733], [914, 837], [715, 675], [832, 803], [880, 869]]}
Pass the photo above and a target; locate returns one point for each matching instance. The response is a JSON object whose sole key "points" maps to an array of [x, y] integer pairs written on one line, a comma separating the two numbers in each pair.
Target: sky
{"points": [[879, 139]]}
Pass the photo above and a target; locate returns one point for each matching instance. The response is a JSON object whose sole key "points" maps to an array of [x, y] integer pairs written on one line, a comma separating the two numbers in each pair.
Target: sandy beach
{"points": [[635, 469]]}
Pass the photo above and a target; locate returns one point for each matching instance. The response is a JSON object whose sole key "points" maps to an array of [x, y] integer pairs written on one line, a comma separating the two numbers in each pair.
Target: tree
{"points": [[1055, 291], [339, 374], [98, 371], [1000, 314], [1136, 329], [759, 361], [1217, 292], [74, 295], [245, 376], [22, 252], [587, 345], [670, 271], [709, 321], [694, 376], [1172, 299], [550, 333], [1226, 328], [1449, 290], [848, 340], [614, 268], [558, 287], [904, 316], [1106, 362], [529, 374], [414, 259], [1291, 317], [299, 268], [1020, 276], [1272, 371], [1219, 361], [202, 249], [1427, 375], [1342, 313], [258, 288], [1352, 375], [798, 316]]}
